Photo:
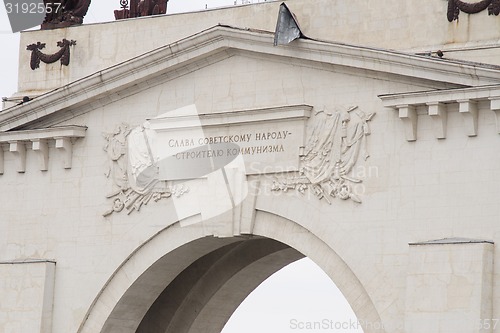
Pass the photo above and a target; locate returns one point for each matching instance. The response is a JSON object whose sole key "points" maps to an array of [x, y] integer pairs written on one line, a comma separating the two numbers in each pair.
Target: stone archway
{"points": [[209, 290], [184, 281]]}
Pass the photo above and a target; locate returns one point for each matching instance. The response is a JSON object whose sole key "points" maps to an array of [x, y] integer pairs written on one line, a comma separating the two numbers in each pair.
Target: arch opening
{"points": [[184, 280], [298, 297], [204, 296]]}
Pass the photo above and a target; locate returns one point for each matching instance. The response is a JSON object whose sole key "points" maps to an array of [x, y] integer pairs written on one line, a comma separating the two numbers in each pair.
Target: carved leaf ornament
{"points": [[455, 6], [333, 150], [132, 169]]}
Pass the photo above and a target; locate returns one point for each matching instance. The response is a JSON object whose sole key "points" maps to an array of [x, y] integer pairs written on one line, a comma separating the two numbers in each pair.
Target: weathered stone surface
{"points": [[120, 243], [27, 295]]}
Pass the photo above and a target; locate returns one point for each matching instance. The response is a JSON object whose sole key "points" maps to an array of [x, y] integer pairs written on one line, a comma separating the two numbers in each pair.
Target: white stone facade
{"points": [[411, 156]]}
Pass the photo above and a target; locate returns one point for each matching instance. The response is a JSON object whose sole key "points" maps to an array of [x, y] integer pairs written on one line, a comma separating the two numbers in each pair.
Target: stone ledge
{"points": [[455, 240], [437, 102], [28, 261], [37, 140], [288, 112]]}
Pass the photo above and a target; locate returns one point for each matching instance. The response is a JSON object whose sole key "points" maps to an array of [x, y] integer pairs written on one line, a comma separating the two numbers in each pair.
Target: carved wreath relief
{"points": [[334, 147], [133, 170]]}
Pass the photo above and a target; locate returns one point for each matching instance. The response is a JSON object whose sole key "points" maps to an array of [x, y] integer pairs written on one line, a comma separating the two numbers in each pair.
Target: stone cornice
{"points": [[450, 241], [214, 45], [28, 261], [38, 140], [43, 134], [442, 96], [437, 101], [287, 113]]}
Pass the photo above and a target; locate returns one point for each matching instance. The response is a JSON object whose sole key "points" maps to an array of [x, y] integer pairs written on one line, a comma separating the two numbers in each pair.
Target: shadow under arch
{"points": [[184, 281]]}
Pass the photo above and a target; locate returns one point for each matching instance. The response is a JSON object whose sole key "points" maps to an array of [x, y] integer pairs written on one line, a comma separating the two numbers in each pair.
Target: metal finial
{"points": [[124, 4]]}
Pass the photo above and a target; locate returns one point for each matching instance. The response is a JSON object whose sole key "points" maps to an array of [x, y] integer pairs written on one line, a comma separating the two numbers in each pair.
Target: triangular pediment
{"points": [[222, 42]]}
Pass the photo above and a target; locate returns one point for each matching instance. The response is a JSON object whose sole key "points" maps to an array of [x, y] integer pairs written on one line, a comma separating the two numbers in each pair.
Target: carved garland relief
{"points": [[63, 54], [455, 6]]}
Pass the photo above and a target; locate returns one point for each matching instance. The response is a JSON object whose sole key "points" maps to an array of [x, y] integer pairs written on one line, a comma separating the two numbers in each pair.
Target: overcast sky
{"points": [[301, 292]]}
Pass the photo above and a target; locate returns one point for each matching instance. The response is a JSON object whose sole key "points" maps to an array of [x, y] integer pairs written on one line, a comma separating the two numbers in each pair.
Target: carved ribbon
{"points": [[455, 6], [63, 54]]}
